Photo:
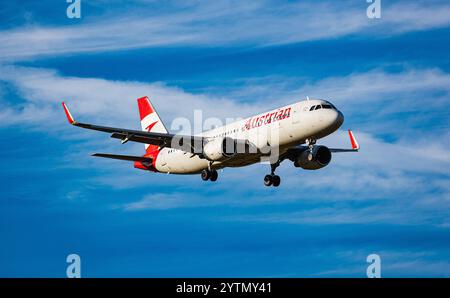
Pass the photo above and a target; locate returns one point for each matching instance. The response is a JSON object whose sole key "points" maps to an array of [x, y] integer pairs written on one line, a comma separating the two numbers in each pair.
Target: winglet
{"points": [[68, 115], [355, 145]]}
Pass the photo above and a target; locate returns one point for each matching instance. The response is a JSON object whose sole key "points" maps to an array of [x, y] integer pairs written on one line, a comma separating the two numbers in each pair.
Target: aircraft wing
{"points": [[355, 145], [153, 138]]}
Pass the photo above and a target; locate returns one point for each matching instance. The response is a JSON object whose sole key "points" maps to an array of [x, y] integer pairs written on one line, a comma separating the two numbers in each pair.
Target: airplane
{"points": [[290, 131]]}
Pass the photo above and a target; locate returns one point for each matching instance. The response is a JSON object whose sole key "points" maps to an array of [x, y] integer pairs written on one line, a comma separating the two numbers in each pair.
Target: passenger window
{"points": [[312, 108], [318, 107]]}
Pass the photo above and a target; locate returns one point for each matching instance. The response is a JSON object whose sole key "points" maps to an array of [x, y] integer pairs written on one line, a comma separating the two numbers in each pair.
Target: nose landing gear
{"points": [[310, 143], [272, 179]]}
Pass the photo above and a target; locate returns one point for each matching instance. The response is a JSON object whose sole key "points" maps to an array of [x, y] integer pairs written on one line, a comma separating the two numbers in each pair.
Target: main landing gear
{"points": [[272, 179], [209, 174]]}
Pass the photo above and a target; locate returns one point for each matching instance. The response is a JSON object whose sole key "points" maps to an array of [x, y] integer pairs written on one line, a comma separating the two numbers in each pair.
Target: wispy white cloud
{"points": [[375, 93], [111, 102], [379, 86], [381, 213], [400, 262], [409, 169], [220, 23], [397, 103], [175, 200], [160, 201]]}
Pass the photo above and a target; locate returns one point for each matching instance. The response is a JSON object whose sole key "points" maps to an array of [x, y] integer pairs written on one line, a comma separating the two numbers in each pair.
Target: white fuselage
{"points": [[281, 128]]}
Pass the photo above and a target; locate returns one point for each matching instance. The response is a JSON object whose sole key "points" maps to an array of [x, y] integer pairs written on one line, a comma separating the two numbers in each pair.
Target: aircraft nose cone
{"points": [[336, 120], [339, 119]]}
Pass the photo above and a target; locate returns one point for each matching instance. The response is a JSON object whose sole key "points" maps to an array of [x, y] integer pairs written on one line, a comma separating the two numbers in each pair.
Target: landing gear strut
{"points": [[311, 143], [272, 179]]}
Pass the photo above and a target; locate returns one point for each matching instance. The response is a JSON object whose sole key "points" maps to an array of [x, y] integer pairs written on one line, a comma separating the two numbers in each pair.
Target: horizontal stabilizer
{"points": [[124, 157]]}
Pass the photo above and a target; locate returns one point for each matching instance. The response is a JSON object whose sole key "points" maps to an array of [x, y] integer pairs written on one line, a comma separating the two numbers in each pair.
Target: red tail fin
{"points": [[150, 120]]}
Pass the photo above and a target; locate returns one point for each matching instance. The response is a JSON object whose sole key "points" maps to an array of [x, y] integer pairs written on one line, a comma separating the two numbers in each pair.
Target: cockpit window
{"points": [[329, 104], [326, 106], [312, 108], [318, 107]]}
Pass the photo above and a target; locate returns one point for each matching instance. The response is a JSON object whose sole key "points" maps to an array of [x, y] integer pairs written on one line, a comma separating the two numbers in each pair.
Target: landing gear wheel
{"points": [[206, 175], [273, 179], [268, 180], [209, 175], [276, 180], [214, 175]]}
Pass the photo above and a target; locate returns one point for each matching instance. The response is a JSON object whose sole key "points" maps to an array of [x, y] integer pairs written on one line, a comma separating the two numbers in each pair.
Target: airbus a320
{"points": [[286, 133]]}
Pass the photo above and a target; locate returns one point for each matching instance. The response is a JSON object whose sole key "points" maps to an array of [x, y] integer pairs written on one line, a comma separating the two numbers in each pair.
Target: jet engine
{"points": [[319, 157]]}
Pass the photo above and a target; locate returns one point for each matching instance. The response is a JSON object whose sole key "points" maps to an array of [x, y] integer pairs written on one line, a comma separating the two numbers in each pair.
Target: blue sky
{"points": [[389, 76]]}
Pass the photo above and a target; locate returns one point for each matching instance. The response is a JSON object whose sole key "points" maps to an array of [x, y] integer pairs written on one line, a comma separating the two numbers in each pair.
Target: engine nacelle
{"points": [[219, 149], [318, 158]]}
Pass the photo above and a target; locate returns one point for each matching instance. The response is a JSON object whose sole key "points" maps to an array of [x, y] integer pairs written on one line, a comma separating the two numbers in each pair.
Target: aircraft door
{"points": [[296, 115]]}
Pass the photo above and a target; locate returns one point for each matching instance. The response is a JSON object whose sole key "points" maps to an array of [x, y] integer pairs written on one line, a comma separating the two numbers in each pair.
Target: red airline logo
{"points": [[149, 128], [267, 119]]}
